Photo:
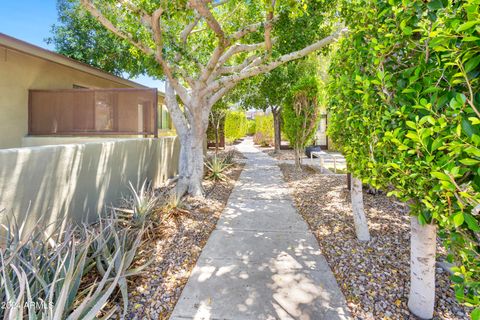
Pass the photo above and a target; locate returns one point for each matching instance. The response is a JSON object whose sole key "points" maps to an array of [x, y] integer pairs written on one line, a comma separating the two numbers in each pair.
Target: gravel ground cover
{"points": [[373, 276], [282, 155], [175, 248]]}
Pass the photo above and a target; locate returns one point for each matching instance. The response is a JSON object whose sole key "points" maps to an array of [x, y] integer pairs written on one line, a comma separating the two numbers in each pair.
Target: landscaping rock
{"points": [[175, 250], [374, 276]]}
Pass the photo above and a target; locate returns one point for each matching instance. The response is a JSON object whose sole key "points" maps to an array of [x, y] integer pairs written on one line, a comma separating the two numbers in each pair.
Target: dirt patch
{"points": [[373, 276], [175, 249]]}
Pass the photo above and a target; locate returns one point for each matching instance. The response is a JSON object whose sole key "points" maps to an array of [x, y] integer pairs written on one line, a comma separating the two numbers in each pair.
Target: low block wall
{"points": [[74, 182]]}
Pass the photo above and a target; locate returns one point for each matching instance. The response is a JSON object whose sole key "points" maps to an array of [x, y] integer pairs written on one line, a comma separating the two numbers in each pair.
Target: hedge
{"points": [[264, 130], [235, 126], [404, 107]]}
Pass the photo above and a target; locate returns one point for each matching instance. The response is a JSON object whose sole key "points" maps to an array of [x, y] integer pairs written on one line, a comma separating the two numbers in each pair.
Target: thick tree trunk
{"points": [[190, 166], [359, 218], [277, 131], [423, 244], [191, 129]]}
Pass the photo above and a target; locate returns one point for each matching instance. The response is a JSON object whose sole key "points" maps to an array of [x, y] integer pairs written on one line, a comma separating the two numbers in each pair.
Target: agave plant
{"points": [[229, 157], [40, 277], [139, 207], [216, 166], [173, 205], [116, 247]]}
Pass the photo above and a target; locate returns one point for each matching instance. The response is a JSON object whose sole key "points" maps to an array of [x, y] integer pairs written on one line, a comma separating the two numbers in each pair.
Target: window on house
{"points": [[164, 121]]}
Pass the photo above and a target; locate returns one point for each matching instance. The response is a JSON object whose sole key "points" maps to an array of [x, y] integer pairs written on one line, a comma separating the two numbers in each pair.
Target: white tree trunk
{"points": [[359, 218], [423, 242], [191, 130]]}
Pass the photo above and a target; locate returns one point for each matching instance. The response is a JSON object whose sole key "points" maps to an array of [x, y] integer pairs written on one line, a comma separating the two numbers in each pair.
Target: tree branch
{"points": [[268, 28], [282, 60], [188, 29], [111, 27], [176, 113], [203, 10], [237, 49], [234, 68]]}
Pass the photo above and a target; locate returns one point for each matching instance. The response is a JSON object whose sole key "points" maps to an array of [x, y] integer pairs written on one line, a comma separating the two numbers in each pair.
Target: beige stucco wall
{"points": [[75, 182], [35, 141], [20, 72]]}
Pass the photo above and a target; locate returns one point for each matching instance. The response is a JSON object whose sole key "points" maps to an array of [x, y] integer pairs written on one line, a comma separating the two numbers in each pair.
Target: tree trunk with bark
{"points": [[359, 218], [298, 159], [276, 111], [423, 244], [191, 129]]}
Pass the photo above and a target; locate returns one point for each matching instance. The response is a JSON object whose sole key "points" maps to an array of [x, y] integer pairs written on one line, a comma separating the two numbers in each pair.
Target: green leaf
{"points": [[468, 128], [472, 63], [440, 175], [469, 161], [458, 219], [411, 124], [471, 222], [475, 315], [467, 25], [408, 31], [456, 279]]}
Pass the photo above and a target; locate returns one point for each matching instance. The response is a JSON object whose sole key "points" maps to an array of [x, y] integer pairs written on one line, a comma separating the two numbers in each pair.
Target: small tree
{"points": [[300, 115], [217, 120]]}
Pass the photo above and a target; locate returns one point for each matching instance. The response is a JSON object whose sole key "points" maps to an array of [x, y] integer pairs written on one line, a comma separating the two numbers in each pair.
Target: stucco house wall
{"points": [[24, 66]]}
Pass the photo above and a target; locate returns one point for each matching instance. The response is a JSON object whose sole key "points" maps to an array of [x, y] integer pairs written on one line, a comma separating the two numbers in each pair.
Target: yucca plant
{"points": [[216, 167]]}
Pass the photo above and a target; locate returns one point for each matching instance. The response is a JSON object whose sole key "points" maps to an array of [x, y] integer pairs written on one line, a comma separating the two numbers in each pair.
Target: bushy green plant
{"points": [[251, 127], [235, 126], [405, 102], [264, 130]]}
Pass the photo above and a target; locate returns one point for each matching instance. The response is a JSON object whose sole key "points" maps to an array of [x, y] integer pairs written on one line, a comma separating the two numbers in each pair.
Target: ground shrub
{"points": [[235, 126], [251, 127], [264, 130]]}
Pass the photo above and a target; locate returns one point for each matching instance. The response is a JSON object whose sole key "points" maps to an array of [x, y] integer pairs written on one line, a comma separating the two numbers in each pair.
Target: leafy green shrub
{"points": [[251, 128], [235, 126], [405, 102], [264, 130]]}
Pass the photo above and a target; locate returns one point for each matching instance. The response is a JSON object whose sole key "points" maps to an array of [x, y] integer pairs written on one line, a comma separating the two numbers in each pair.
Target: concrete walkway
{"points": [[261, 262]]}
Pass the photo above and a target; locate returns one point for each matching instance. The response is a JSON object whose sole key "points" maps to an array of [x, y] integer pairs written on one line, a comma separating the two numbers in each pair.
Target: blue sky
{"points": [[31, 21]]}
